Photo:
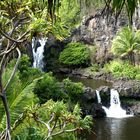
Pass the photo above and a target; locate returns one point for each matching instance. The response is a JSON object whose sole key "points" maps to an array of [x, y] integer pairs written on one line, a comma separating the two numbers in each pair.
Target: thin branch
{"points": [[46, 124], [14, 70], [54, 126], [13, 47], [8, 37], [2, 135], [8, 124], [52, 117]]}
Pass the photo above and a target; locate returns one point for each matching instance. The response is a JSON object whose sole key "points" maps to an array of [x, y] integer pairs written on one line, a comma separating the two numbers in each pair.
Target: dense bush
{"points": [[122, 69], [26, 72], [73, 90], [75, 54], [48, 88]]}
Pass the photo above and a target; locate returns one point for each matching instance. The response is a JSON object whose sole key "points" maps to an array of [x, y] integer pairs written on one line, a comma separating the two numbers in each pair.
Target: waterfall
{"points": [[115, 110], [38, 52], [98, 97]]}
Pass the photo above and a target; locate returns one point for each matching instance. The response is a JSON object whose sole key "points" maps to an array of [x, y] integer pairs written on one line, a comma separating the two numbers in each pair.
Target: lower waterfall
{"points": [[115, 110]]}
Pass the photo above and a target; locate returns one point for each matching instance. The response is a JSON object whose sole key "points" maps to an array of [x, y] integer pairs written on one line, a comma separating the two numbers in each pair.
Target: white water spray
{"points": [[115, 110], [98, 97], [38, 52]]}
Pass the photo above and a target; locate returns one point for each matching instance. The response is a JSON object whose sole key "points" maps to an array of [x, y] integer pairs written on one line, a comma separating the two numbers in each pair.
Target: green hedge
{"points": [[75, 54]]}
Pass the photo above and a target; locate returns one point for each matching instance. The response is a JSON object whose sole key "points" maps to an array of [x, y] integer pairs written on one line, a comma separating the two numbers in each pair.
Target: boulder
{"points": [[128, 88]]}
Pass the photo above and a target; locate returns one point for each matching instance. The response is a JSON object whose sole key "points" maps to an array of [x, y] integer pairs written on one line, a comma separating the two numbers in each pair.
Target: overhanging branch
{"points": [[14, 70]]}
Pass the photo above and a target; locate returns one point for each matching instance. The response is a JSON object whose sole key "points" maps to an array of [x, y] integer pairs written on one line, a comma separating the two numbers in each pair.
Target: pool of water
{"points": [[93, 83], [116, 129]]}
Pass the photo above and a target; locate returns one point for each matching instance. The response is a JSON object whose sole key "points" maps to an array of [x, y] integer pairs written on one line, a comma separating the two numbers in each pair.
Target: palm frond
{"points": [[19, 103]]}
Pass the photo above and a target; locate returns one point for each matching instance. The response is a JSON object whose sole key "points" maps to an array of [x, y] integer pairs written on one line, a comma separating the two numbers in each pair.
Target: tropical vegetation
{"points": [[127, 44], [75, 54], [123, 69], [34, 105]]}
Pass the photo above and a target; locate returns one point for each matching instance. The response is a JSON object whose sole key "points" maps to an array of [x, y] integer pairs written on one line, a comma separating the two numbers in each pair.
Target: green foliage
{"points": [[27, 73], [54, 115], [75, 54], [92, 52], [95, 68], [69, 13], [48, 88], [121, 69], [19, 97], [126, 43], [38, 25], [24, 63], [28, 118], [117, 7], [137, 77], [73, 90]]}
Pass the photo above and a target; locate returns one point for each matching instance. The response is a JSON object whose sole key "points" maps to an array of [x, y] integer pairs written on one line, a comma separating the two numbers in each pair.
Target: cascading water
{"points": [[38, 52], [115, 110], [98, 97]]}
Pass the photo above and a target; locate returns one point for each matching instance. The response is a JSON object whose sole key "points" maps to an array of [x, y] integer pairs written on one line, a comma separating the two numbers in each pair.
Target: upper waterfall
{"points": [[38, 52]]}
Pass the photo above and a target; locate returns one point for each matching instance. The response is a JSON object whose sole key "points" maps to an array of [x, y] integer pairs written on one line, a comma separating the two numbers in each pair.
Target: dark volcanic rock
{"points": [[95, 30], [90, 104], [89, 94], [129, 89]]}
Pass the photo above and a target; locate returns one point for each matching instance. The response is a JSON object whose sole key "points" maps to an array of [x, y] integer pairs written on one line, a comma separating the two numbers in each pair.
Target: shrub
{"points": [[129, 71], [48, 88], [137, 77], [75, 54], [121, 69], [115, 67], [95, 68], [27, 73], [74, 90], [24, 63]]}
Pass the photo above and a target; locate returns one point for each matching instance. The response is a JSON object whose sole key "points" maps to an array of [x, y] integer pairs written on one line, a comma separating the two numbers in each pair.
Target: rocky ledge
{"points": [[129, 88]]}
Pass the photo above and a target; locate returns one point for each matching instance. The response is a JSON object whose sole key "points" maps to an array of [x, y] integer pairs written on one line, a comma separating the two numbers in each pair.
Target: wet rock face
{"points": [[105, 95], [90, 105], [96, 30], [89, 94]]}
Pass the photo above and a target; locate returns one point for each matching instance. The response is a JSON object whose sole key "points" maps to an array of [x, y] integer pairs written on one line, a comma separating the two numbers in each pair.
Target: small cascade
{"points": [[98, 97], [115, 110], [38, 52]]}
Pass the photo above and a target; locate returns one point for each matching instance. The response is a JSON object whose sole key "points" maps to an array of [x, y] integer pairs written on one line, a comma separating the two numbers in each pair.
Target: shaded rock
{"points": [[95, 110], [90, 104], [97, 31], [129, 89], [136, 109], [105, 95], [89, 94]]}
